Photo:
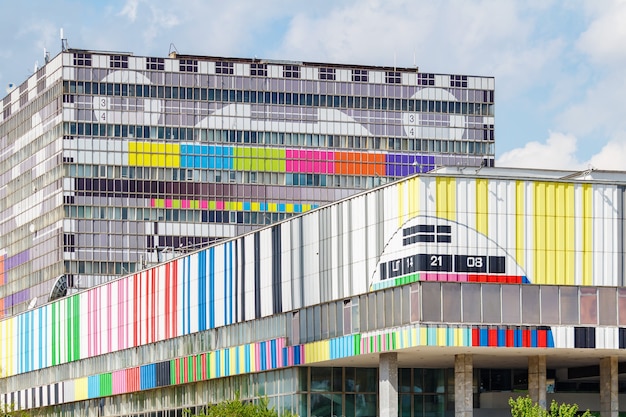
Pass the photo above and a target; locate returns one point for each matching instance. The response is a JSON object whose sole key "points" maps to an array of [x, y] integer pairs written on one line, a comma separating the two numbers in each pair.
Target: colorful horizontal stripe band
{"points": [[449, 277], [275, 354], [232, 205], [265, 159]]}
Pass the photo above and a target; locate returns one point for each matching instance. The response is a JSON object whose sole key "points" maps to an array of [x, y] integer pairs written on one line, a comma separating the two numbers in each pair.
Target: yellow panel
{"points": [[446, 198], [520, 235], [587, 235], [81, 389], [550, 270], [400, 214], [255, 206], [423, 336], [442, 336], [482, 206], [413, 196], [539, 217]]}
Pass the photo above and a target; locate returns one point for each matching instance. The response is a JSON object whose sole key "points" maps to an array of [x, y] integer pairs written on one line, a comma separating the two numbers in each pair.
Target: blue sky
{"points": [[560, 84]]}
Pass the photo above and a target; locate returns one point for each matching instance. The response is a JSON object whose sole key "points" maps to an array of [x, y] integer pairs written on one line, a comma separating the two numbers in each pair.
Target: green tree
{"points": [[238, 408], [8, 410], [525, 407]]}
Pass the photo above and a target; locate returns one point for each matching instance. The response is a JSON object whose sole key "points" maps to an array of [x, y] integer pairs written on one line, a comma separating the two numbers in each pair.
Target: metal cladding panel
{"points": [[431, 228]]}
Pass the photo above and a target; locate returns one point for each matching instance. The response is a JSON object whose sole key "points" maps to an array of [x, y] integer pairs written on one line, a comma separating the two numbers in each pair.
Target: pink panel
{"points": [[204, 204], [119, 382], [219, 205], [168, 203]]}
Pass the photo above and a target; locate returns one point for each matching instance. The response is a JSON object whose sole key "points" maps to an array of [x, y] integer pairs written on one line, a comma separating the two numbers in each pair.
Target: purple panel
{"points": [[18, 297], [402, 165], [17, 260]]}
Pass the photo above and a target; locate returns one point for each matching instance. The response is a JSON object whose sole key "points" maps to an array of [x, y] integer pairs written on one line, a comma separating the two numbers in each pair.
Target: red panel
{"points": [[475, 337], [153, 313], [174, 265], [493, 337], [510, 338], [542, 338], [167, 302], [136, 302], [526, 340]]}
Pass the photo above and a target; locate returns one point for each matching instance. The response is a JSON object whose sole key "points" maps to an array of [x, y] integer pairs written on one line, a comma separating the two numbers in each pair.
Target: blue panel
{"points": [[263, 207], [297, 208], [147, 374], [533, 337], [501, 337], [263, 357], [247, 206], [484, 336], [212, 288], [246, 354], [273, 353], [549, 338], [218, 370], [518, 338], [226, 362], [202, 311], [282, 208]]}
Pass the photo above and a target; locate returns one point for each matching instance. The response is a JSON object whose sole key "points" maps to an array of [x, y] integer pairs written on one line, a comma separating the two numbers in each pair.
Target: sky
{"points": [[558, 65]]}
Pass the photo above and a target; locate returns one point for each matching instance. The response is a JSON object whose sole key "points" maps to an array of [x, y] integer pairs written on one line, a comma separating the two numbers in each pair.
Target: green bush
{"points": [[525, 407], [237, 408]]}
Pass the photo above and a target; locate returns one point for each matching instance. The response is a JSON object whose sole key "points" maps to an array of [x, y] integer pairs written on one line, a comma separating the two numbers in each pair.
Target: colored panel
{"points": [[482, 206], [1, 277], [402, 165], [152, 154], [587, 238], [520, 224], [446, 198]]}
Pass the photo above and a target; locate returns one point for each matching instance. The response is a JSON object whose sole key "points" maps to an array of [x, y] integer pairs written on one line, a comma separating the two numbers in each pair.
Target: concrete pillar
{"points": [[537, 379], [609, 403], [463, 386], [388, 384]]}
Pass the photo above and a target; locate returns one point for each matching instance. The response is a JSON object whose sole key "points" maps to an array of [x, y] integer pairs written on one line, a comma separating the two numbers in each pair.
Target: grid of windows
{"points": [[118, 61], [359, 75], [188, 65], [327, 73], [82, 60], [157, 64], [393, 77], [291, 71], [458, 81], [224, 67], [425, 79], [258, 70]]}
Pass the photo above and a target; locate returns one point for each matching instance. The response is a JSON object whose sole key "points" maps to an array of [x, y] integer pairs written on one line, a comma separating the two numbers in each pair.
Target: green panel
{"points": [[55, 328], [68, 328], [77, 335], [106, 384], [357, 344], [190, 374], [198, 367], [173, 372]]}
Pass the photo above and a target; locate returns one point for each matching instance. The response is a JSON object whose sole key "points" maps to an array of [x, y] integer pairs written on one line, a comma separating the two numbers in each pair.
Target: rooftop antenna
{"points": [[173, 51], [46, 56], [64, 46]]}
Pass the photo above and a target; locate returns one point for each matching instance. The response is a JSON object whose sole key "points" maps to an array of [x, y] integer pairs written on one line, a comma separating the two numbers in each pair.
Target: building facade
{"points": [[442, 294], [112, 162]]}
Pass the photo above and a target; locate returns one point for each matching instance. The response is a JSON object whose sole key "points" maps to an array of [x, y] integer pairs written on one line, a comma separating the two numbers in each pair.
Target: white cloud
{"points": [[612, 156], [605, 36], [558, 152], [130, 10]]}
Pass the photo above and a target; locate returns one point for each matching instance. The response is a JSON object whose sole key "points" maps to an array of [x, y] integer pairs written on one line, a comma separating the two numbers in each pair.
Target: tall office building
{"points": [[111, 162]]}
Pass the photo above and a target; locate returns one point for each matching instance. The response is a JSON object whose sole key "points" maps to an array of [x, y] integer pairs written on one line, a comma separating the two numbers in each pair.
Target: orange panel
{"points": [[1, 307]]}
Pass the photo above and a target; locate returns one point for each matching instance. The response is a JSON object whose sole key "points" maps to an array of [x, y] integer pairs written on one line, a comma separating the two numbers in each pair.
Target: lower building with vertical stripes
{"points": [[442, 294]]}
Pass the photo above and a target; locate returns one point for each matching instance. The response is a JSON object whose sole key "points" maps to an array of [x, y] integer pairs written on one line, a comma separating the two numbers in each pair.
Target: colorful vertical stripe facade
{"points": [[279, 269]]}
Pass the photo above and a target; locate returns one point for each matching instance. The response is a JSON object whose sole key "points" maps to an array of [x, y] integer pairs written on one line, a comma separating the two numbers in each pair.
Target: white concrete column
{"points": [[609, 402], [463, 386], [388, 384], [537, 379]]}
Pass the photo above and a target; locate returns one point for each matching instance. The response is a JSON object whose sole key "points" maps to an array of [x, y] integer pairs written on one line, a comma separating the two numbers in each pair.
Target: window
{"points": [[188, 65], [259, 70], [222, 67], [458, 80], [118, 61], [393, 77], [157, 64], [425, 79], [359, 75], [327, 74], [82, 60], [291, 71]]}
